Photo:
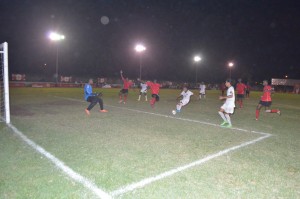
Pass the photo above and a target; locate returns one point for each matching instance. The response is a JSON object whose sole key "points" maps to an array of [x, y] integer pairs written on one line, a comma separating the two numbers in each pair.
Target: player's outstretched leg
{"points": [[146, 98], [178, 107], [274, 111]]}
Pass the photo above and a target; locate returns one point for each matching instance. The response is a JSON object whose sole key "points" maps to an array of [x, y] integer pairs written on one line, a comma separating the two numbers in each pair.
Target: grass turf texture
{"points": [[121, 147]]}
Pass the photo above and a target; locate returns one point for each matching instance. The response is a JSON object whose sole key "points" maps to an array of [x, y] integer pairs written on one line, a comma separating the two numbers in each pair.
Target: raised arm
{"points": [[121, 73]]}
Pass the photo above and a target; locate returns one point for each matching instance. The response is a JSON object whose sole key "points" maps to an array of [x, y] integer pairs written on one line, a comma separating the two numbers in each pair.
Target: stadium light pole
{"points": [[230, 65], [56, 37], [140, 48], [197, 59]]}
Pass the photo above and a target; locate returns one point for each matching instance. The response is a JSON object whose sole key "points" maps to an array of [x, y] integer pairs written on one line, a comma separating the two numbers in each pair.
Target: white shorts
{"points": [[184, 102], [144, 91], [228, 108]]}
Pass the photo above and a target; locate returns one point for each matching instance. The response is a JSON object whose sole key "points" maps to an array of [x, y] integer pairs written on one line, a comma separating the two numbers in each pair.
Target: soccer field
{"points": [[53, 150]]}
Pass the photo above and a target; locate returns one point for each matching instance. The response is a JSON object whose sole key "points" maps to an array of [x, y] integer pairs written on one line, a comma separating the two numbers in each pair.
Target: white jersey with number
{"points": [[202, 88], [144, 88]]}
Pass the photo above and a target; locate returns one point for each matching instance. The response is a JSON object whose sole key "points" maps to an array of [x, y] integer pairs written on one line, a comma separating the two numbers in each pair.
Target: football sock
{"points": [[125, 98], [228, 118], [154, 100], [178, 107], [146, 98], [222, 116], [241, 105], [120, 97], [257, 114], [274, 110], [139, 97]]}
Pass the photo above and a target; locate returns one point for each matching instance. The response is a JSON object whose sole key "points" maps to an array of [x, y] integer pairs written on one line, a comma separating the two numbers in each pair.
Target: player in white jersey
{"points": [[143, 91], [228, 106], [186, 96], [202, 89]]}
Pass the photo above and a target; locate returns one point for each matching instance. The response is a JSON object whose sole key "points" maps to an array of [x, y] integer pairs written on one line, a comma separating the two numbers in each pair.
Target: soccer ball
{"points": [[174, 112]]}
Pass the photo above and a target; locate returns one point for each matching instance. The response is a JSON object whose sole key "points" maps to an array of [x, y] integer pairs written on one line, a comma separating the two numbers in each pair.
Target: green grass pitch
{"points": [[133, 142]]}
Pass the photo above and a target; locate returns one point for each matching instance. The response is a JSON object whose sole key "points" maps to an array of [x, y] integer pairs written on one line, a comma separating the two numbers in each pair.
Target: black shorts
{"points": [[247, 92], [240, 96], [263, 103], [124, 91], [156, 96]]}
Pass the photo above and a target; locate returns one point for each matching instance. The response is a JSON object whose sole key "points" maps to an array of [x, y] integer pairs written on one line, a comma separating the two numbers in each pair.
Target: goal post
{"points": [[4, 84]]}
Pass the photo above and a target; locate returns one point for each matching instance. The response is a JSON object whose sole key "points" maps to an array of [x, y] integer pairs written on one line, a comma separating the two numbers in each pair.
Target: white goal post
{"points": [[4, 84]]}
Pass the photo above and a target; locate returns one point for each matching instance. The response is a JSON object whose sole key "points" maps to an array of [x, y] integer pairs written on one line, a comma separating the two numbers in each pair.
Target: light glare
{"points": [[230, 64], [197, 58], [55, 36], [140, 48]]}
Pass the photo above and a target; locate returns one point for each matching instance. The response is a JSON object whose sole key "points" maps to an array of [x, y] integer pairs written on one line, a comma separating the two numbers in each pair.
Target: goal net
{"points": [[4, 84]]}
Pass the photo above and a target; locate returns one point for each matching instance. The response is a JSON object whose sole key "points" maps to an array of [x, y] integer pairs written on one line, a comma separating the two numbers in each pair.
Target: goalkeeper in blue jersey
{"points": [[93, 98]]}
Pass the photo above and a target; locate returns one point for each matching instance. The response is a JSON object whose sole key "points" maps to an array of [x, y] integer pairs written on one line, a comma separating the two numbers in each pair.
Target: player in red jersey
{"points": [[266, 100], [154, 87], [124, 91], [240, 90]]}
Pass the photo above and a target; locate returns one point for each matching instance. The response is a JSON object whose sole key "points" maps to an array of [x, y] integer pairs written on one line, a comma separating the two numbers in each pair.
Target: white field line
{"points": [[147, 181], [62, 166], [188, 120], [169, 116]]}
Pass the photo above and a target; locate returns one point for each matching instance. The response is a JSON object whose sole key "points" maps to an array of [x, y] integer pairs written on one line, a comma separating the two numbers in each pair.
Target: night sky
{"points": [[262, 38]]}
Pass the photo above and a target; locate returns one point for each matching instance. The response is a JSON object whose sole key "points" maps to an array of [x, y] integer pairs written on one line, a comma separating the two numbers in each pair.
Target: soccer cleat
{"points": [[178, 111], [278, 112], [124, 102], [224, 123], [87, 112], [228, 126], [103, 111], [139, 100], [120, 101]]}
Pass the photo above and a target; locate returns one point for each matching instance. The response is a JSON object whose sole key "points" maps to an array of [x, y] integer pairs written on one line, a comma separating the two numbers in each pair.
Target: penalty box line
{"points": [[137, 185], [150, 180], [62, 166]]}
